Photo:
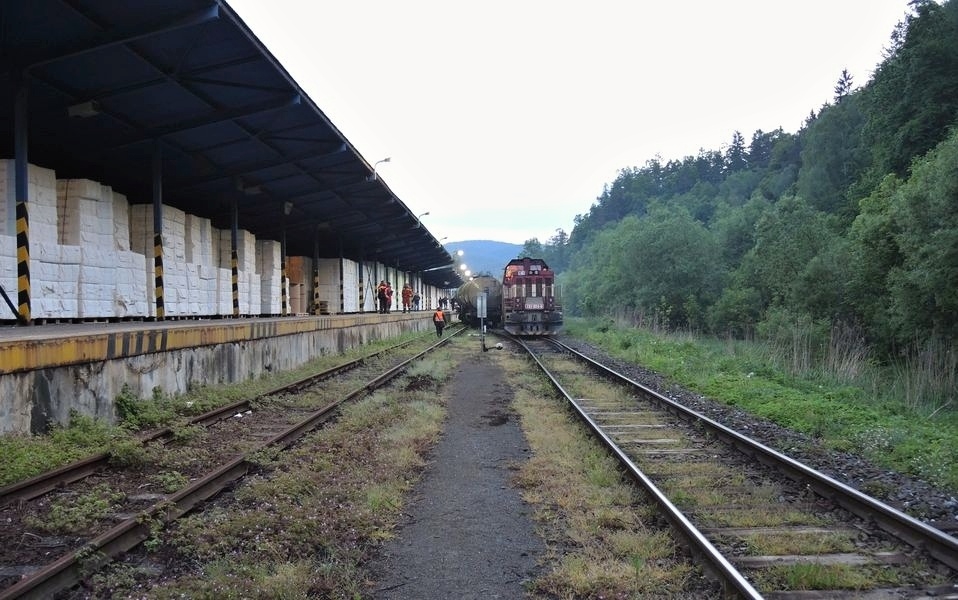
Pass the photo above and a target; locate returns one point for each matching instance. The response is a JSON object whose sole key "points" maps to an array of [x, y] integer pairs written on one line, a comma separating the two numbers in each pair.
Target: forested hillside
{"points": [[849, 224]]}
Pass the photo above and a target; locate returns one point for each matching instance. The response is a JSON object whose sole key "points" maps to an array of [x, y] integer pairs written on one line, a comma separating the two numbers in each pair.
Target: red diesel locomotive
{"points": [[530, 298]]}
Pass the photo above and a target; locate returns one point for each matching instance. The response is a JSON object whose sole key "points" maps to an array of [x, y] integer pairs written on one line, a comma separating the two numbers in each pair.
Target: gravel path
{"points": [[467, 533]]}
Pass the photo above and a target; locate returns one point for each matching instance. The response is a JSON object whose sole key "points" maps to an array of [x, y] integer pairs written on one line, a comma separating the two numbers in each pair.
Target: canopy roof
{"points": [[110, 85]]}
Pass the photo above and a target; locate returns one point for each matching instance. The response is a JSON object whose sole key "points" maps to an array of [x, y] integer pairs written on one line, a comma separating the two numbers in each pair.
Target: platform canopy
{"points": [[112, 85]]}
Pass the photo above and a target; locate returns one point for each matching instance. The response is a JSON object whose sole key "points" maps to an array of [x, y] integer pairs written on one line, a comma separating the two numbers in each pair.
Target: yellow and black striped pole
{"points": [[23, 262], [158, 274], [234, 258], [158, 230], [21, 188], [282, 269], [362, 282], [316, 308], [342, 277]]}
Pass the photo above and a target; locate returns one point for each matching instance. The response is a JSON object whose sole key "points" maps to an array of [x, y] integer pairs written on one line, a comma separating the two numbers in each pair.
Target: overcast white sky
{"points": [[504, 118]]}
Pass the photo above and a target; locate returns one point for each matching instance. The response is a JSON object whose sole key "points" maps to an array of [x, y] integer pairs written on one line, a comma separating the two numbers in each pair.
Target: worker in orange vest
{"points": [[439, 320], [406, 298]]}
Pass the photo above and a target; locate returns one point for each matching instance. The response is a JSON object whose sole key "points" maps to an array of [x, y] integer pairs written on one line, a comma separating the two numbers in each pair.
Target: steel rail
{"points": [[38, 485], [72, 567], [918, 534], [730, 578]]}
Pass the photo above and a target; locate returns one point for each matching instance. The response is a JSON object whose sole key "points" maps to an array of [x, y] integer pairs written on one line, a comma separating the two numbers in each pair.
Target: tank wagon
{"points": [[469, 292], [530, 298]]}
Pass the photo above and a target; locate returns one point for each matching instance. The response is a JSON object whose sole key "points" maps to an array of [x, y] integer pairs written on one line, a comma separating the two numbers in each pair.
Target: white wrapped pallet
{"points": [[201, 262], [85, 215], [209, 289], [269, 267], [175, 290], [245, 250], [121, 221], [8, 274], [255, 295], [97, 282], [41, 202], [195, 305], [224, 292], [199, 241], [370, 282], [130, 295], [54, 281], [350, 286]]}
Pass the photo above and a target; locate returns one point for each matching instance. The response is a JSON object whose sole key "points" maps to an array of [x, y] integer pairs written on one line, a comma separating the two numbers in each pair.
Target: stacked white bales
{"points": [[175, 272], [54, 267], [248, 280], [330, 294], [202, 271], [370, 282], [92, 257], [112, 278], [269, 265]]}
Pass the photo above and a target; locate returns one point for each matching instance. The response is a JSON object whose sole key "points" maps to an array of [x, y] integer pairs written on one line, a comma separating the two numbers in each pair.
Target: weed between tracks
{"points": [[301, 525], [603, 540]]}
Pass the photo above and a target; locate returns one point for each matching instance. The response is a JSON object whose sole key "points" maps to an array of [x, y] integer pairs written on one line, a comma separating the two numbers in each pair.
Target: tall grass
{"points": [[926, 377], [923, 378], [823, 381]]}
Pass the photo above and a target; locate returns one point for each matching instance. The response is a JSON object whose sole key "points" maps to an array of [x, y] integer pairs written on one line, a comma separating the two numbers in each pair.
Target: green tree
{"points": [[787, 238], [736, 155], [912, 100], [556, 249], [599, 279], [531, 248], [844, 86], [874, 253], [924, 289], [833, 158]]}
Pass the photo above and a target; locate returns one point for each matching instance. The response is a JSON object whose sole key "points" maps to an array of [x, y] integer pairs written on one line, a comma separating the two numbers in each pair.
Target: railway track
{"points": [[765, 525], [115, 507]]}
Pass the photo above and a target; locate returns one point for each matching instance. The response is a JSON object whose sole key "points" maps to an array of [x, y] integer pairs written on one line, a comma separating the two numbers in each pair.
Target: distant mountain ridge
{"points": [[484, 257]]}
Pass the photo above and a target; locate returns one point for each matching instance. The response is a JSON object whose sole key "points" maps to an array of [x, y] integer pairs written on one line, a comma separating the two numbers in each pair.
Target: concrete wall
{"points": [[33, 400]]}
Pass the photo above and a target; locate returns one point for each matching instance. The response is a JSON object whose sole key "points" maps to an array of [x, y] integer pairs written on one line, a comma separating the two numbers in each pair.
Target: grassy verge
{"points": [[894, 433]]}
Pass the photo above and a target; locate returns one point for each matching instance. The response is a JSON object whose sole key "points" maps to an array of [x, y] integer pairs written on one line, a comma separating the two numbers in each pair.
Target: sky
{"points": [[504, 119]]}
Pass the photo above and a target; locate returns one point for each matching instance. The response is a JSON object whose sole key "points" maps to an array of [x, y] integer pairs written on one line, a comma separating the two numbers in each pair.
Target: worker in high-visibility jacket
{"points": [[439, 320]]}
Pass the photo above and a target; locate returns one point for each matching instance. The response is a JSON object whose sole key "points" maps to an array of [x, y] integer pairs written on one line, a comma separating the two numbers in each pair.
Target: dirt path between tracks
{"points": [[466, 532]]}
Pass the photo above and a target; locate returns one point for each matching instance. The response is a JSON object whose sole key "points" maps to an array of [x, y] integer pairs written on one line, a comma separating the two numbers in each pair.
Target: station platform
{"points": [[32, 347]]}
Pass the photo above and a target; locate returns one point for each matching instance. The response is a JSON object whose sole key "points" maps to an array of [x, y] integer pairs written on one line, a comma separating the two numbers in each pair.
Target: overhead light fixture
{"points": [[90, 108], [374, 176], [249, 190], [287, 208]]}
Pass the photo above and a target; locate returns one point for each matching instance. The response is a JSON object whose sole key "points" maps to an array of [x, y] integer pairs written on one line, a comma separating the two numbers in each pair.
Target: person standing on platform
{"points": [[406, 298], [439, 320], [381, 296], [389, 297]]}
